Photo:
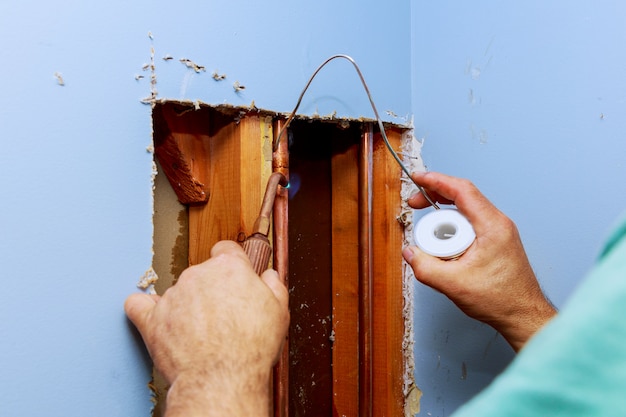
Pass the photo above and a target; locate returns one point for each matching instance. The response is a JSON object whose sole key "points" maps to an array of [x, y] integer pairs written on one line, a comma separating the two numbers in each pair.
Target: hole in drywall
{"points": [[323, 204]]}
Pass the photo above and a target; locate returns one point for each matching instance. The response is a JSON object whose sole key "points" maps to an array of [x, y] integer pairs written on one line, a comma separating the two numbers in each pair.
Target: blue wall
{"points": [[528, 100], [75, 176]]}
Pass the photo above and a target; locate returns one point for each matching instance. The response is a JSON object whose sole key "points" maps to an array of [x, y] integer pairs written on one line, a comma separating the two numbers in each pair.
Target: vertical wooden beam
{"points": [[388, 320], [345, 281], [236, 184]]}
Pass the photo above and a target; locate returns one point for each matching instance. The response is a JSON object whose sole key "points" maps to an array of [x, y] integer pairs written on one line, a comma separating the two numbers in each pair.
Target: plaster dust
{"points": [[412, 159]]}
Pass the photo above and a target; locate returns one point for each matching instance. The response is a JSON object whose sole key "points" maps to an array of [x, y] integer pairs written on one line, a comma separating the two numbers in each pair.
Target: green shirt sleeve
{"points": [[576, 365]]}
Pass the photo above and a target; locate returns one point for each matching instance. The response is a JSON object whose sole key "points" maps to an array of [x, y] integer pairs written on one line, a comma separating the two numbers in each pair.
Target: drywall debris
{"points": [[218, 77], [411, 155], [404, 119], [413, 402], [410, 151], [391, 113], [153, 78], [190, 64], [239, 116], [238, 87], [405, 218], [147, 281], [59, 79], [155, 172]]}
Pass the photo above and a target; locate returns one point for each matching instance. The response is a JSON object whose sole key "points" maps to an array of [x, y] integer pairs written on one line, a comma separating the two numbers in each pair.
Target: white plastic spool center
{"points": [[444, 233]]}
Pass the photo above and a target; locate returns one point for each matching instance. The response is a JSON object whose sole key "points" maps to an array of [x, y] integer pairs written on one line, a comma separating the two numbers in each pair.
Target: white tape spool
{"points": [[444, 233]]}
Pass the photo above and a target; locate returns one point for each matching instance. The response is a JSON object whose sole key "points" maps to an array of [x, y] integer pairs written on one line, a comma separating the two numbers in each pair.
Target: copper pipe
{"points": [[280, 163], [262, 224], [257, 246], [365, 272]]}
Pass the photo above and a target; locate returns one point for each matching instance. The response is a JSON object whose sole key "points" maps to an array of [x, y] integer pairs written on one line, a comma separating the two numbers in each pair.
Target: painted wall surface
{"points": [[76, 178], [528, 100]]}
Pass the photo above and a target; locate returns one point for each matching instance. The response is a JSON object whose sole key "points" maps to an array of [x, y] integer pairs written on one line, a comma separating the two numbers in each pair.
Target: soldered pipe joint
{"points": [[262, 223]]}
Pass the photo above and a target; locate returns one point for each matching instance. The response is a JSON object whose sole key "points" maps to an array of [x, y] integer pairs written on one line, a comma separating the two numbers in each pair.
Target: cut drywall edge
{"points": [[170, 257], [412, 158]]}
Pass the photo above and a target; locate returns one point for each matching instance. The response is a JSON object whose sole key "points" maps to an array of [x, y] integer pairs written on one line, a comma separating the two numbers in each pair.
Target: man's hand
{"points": [[215, 335], [493, 280]]}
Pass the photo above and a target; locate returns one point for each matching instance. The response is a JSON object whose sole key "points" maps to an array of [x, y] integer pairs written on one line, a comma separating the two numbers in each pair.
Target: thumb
{"points": [[137, 307], [425, 267], [271, 279]]}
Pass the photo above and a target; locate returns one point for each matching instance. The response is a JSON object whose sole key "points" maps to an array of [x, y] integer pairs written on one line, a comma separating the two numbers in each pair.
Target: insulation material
{"points": [[411, 153]]}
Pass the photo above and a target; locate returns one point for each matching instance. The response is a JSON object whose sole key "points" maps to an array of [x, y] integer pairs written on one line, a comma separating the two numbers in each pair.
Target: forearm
{"points": [[519, 326], [234, 395]]}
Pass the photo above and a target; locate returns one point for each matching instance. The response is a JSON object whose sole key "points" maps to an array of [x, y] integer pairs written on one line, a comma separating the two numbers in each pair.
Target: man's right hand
{"points": [[492, 281]]}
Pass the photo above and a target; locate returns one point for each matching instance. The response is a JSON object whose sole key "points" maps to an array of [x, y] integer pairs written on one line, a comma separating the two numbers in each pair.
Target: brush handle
{"points": [[259, 251]]}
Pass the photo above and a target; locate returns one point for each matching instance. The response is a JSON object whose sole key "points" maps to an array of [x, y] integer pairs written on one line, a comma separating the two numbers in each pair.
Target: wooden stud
{"points": [[345, 282], [388, 320], [236, 184]]}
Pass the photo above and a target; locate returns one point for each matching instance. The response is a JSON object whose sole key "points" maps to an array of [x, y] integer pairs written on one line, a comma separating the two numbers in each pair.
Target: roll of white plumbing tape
{"points": [[444, 233]]}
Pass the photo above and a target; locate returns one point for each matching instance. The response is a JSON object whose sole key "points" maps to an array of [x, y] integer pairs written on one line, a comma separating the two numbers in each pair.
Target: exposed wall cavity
{"points": [[171, 246]]}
